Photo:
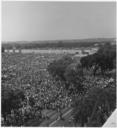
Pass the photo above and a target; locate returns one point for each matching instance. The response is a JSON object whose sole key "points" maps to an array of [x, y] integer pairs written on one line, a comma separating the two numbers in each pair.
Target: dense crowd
{"points": [[28, 72]]}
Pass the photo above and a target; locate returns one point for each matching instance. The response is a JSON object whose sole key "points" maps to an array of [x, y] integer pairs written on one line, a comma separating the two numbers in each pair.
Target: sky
{"points": [[31, 21]]}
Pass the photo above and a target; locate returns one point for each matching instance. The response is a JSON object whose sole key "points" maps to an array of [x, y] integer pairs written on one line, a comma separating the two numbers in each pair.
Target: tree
{"points": [[11, 99], [57, 67], [106, 56], [92, 107], [74, 77], [3, 49], [103, 59], [86, 61]]}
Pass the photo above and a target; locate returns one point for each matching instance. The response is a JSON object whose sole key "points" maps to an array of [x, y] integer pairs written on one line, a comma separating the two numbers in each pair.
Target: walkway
{"points": [[53, 118]]}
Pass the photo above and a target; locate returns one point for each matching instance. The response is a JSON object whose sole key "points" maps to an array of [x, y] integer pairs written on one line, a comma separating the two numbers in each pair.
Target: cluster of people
{"points": [[28, 71], [98, 81]]}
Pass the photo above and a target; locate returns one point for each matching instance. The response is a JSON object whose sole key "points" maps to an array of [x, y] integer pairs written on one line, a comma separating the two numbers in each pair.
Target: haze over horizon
{"points": [[34, 20]]}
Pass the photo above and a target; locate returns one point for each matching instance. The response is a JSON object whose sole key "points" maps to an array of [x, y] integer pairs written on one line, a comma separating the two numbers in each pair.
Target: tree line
{"points": [[96, 91], [54, 44]]}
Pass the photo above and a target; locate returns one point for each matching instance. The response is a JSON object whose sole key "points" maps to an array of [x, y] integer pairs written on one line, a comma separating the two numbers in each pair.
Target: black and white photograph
{"points": [[58, 64]]}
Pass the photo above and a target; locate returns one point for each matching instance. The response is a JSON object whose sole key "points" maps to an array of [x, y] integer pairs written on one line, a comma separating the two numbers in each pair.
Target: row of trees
{"points": [[103, 60], [94, 103], [67, 70], [49, 44]]}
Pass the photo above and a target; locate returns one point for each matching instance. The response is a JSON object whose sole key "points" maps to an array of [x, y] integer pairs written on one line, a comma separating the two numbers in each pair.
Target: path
{"points": [[53, 117], [64, 116]]}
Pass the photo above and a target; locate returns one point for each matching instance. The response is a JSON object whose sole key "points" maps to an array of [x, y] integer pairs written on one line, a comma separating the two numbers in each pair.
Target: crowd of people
{"points": [[28, 72], [41, 90]]}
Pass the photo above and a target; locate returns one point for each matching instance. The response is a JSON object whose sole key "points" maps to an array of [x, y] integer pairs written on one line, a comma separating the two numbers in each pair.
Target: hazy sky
{"points": [[57, 20]]}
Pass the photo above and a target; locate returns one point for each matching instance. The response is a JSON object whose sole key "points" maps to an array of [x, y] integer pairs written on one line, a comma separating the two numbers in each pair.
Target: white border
{"points": [[66, 0], [42, 1]]}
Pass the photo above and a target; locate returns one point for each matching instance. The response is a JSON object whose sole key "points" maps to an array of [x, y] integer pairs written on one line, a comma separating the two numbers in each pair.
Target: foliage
{"points": [[104, 59], [65, 69], [11, 99], [58, 67], [94, 106], [3, 49], [54, 44], [74, 77]]}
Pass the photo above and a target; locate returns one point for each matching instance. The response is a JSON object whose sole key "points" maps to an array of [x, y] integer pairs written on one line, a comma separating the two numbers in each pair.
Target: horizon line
{"points": [[59, 39]]}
